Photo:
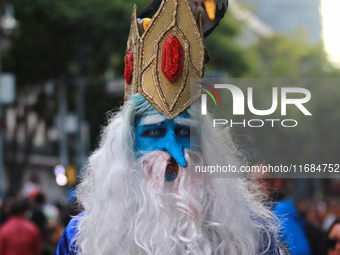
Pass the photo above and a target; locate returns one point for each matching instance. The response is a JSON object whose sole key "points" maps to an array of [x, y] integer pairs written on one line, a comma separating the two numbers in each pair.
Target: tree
{"points": [[314, 139], [69, 38], [282, 57]]}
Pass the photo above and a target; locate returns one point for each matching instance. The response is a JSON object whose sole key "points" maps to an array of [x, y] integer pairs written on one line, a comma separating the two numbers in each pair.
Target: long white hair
{"points": [[131, 209]]}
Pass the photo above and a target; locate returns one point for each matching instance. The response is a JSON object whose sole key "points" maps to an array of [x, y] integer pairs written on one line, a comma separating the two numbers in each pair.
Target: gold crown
{"points": [[160, 61]]}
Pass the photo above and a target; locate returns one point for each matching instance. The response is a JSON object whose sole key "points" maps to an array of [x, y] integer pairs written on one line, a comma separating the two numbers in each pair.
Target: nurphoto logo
{"points": [[238, 98]]}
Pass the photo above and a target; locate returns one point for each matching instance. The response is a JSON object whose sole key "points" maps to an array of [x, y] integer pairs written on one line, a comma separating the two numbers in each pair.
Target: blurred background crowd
{"points": [[62, 68]]}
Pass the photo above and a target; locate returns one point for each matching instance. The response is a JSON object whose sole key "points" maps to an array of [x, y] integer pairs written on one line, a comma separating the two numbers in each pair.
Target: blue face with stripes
{"points": [[155, 132]]}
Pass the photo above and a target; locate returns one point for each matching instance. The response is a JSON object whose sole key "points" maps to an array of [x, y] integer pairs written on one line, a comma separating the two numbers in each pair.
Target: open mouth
{"points": [[171, 171]]}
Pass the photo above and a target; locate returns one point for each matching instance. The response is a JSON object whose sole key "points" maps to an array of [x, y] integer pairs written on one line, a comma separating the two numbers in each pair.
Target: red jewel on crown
{"points": [[172, 58], [128, 67]]}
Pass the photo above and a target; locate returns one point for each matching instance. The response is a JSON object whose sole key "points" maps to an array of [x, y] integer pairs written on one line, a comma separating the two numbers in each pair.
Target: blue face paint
{"points": [[155, 132]]}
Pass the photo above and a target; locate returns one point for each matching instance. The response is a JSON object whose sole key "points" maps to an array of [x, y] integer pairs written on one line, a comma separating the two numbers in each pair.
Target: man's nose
{"points": [[176, 150]]}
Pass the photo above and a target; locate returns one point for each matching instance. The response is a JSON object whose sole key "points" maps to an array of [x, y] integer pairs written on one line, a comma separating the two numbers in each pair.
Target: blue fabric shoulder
{"points": [[270, 240], [65, 247]]}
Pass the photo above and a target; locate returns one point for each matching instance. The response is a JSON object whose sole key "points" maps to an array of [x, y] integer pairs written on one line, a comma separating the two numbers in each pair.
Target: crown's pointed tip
{"points": [[169, 95]]}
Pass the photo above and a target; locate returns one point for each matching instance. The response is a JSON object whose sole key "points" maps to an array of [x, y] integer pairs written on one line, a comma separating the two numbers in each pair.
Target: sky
{"points": [[330, 10]]}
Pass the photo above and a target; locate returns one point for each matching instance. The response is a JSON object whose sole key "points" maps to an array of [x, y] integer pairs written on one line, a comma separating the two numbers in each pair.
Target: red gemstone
{"points": [[172, 58], [128, 67]]}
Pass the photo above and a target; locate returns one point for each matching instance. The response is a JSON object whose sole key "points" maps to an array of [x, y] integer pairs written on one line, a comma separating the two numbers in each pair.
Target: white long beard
{"points": [[145, 214], [138, 212], [171, 215]]}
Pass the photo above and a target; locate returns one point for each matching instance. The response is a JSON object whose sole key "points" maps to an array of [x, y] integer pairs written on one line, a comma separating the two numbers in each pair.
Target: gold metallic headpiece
{"points": [[160, 61]]}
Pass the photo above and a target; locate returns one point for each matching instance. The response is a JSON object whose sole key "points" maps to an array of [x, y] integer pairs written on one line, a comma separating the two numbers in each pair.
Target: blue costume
{"points": [[67, 247]]}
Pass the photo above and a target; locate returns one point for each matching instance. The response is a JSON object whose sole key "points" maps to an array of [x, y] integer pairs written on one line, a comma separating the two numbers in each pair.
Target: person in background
{"points": [[315, 235], [5, 209], [292, 222], [19, 236], [38, 216], [333, 238]]}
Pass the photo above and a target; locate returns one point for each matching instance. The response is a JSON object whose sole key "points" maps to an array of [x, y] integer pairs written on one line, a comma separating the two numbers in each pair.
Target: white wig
{"points": [[128, 213]]}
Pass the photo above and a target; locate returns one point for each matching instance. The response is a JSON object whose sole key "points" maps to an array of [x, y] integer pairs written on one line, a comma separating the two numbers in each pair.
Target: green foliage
{"points": [[87, 37], [282, 57], [225, 53], [63, 37]]}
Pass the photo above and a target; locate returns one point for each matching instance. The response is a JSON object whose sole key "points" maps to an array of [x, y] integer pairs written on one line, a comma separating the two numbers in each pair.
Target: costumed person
{"points": [[139, 190]]}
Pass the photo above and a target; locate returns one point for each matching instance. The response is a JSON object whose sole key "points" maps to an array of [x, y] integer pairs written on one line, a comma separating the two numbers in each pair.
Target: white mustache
{"points": [[154, 165]]}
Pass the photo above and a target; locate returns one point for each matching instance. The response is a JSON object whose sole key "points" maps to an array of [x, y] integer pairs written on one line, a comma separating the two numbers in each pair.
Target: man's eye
{"points": [[154, 132], [184, 132]]}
